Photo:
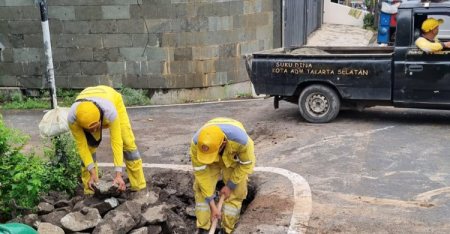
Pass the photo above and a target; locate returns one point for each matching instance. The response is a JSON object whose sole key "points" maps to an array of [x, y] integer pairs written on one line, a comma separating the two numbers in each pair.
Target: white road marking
{"points": [[302, 192]]}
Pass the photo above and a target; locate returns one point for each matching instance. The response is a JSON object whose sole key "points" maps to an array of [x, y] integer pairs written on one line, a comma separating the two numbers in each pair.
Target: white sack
{"points": [[54, 122]]}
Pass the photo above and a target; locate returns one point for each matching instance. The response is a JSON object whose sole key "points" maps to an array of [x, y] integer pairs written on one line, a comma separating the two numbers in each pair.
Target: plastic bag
{"points": [[54, 122], [388, 8]]}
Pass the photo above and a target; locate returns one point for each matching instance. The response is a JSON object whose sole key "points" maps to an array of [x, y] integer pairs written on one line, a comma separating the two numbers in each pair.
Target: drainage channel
{"points": [[301, 192]]}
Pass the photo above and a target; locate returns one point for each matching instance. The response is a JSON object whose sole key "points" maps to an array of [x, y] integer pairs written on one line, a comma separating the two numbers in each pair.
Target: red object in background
{"points": [[393, 20]]}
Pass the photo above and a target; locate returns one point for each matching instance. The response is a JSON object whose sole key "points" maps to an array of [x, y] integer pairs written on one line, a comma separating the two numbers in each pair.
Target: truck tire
{"points": [[319, 104]]}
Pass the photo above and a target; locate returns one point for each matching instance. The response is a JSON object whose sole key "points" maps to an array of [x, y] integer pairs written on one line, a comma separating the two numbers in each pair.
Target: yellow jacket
{"points": [[429, 46], [108, 100], [238, 154]]}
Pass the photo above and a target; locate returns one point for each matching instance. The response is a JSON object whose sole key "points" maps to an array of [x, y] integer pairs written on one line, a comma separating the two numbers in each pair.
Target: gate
{"points": [[301, 18]]}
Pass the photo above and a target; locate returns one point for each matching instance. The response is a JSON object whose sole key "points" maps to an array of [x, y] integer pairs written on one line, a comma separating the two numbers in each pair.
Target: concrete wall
{"points": [[189, 43], [338, 14]]}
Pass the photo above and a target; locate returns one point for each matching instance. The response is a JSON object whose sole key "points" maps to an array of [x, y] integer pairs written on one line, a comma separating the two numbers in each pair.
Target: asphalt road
{"points": [[383, 170]]}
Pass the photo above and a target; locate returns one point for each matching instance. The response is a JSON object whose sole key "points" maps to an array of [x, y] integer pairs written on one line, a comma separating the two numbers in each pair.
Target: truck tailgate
{"points": [[355, 76]]}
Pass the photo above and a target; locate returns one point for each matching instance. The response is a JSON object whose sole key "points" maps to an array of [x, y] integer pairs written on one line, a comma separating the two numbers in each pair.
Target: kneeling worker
{"points": [[94, 109], [221, 145]]}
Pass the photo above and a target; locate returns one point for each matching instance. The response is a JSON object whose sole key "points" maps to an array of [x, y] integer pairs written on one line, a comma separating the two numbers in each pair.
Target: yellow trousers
{"points": [[232, 206], [132, 158]]}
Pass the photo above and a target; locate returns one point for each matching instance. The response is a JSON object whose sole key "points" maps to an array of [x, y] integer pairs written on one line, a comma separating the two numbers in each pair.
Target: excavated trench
{"points": [[166, 206]]}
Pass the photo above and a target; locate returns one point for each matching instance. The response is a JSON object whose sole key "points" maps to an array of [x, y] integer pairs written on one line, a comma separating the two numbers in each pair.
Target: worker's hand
{"points": [[92, 179], [215, 212], [119, 181], [447, 44], [225, 191]]}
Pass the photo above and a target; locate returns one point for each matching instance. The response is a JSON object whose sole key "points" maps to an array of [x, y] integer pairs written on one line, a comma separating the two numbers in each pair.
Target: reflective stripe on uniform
{"points": [[200, 168], [245, 163], [131, 155], [231, 211], [201, 206]]}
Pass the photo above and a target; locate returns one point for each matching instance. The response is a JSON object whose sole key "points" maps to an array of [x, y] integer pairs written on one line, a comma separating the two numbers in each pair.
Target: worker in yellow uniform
{"points": [[221, 145], [94, 109], [428, 42]]}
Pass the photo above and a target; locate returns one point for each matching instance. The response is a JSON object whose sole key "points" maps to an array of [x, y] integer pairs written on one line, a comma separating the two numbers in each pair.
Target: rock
{"points": [[175, 222], [63, 203], [45, 208], [86, 203], [132, 208], [81, 220], [54, 217], [115, 222], [31, 220], [16, 220], [66, 209], [75, 200], [154, 229], [190, 211], [144, 197], [106, 205], [155, 214], [106, 189], [142, 230], [48, 199], [48, 228]]}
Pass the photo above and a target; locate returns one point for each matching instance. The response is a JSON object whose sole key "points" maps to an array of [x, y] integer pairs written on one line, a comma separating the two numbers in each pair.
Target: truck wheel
{"points": [[319, 104]]}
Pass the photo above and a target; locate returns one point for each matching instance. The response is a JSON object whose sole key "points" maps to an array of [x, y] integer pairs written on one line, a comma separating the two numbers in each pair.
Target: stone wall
{"points": [[149, 44]]}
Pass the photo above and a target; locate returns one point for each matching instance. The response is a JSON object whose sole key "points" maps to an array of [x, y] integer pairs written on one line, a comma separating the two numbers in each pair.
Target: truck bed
{"points": [[308, 50], [358, 73]]}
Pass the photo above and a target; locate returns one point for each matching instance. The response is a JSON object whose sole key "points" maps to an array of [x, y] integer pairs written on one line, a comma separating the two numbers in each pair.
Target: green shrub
{"points": [[24, 178], [17, 97], [368, 21], [29, 103], [66, 97], [132, 97]]}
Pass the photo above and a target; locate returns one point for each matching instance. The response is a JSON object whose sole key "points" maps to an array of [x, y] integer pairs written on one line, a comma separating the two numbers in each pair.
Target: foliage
{"points": [[135, 97], [23, 178], [66, 97], [27, 103], [64, 168], [369, 21]]}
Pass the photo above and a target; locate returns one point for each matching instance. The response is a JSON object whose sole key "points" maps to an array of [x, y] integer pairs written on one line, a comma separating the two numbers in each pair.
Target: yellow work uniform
{"points": [[123, 145], [427, 45], [236, 162]]}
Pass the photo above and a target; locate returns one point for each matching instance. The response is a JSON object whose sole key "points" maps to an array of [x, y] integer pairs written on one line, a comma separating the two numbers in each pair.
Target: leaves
{"points": [[23, 178]]}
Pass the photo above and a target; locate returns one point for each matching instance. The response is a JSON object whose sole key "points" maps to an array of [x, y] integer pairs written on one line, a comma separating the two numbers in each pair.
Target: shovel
{"points": [[214, 224]]}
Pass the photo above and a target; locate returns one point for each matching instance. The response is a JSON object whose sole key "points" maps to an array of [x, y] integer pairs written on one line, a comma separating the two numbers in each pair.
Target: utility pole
{"points": [[48, 51]]}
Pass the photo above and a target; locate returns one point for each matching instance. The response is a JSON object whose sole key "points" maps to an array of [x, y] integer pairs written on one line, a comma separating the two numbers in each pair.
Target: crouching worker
{"points": [[94, 109], [221, 145]]}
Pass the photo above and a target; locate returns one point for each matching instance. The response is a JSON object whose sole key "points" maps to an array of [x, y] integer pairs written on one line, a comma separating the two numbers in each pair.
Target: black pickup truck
{"points": [[359, 77]]}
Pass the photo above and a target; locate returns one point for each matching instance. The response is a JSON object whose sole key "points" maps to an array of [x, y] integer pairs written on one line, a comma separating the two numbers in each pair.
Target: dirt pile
{"points": [[167, 205]]}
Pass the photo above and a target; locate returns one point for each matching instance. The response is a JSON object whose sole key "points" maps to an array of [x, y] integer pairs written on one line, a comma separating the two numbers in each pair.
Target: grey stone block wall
{"points": [[150, 44]]}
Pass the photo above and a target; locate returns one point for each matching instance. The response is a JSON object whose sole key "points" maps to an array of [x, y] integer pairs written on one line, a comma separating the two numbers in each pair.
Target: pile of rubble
{"points": [[165, 206]]}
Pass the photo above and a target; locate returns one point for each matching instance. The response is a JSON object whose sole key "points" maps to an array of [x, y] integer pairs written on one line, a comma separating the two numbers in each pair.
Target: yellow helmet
{"points": [[430, 24], [88, 115], [209, 141]]}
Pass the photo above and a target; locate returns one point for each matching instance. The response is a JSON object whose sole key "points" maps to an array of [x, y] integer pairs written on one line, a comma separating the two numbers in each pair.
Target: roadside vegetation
{"points": [[65, 98], [369, 22], [26, 176]]}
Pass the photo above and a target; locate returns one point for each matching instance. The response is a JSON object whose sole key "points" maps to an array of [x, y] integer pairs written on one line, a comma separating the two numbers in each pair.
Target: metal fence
{"points": [[300, 19]]}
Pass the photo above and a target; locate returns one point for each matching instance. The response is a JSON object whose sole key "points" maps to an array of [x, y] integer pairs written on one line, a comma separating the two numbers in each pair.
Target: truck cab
{"points": [[401, 75], [420, 80]]}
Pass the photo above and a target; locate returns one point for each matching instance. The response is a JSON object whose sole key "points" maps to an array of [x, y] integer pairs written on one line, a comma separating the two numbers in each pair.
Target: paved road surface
{"points": [[383, 170]]}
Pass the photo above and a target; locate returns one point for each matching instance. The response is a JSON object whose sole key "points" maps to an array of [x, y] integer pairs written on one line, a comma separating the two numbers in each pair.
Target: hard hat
{"points": [[209, 141], [88, 115], [430, 24]]}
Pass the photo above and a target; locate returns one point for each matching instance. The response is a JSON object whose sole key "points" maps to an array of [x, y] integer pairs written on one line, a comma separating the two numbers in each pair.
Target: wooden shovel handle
{"points": [[214, 224]]}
